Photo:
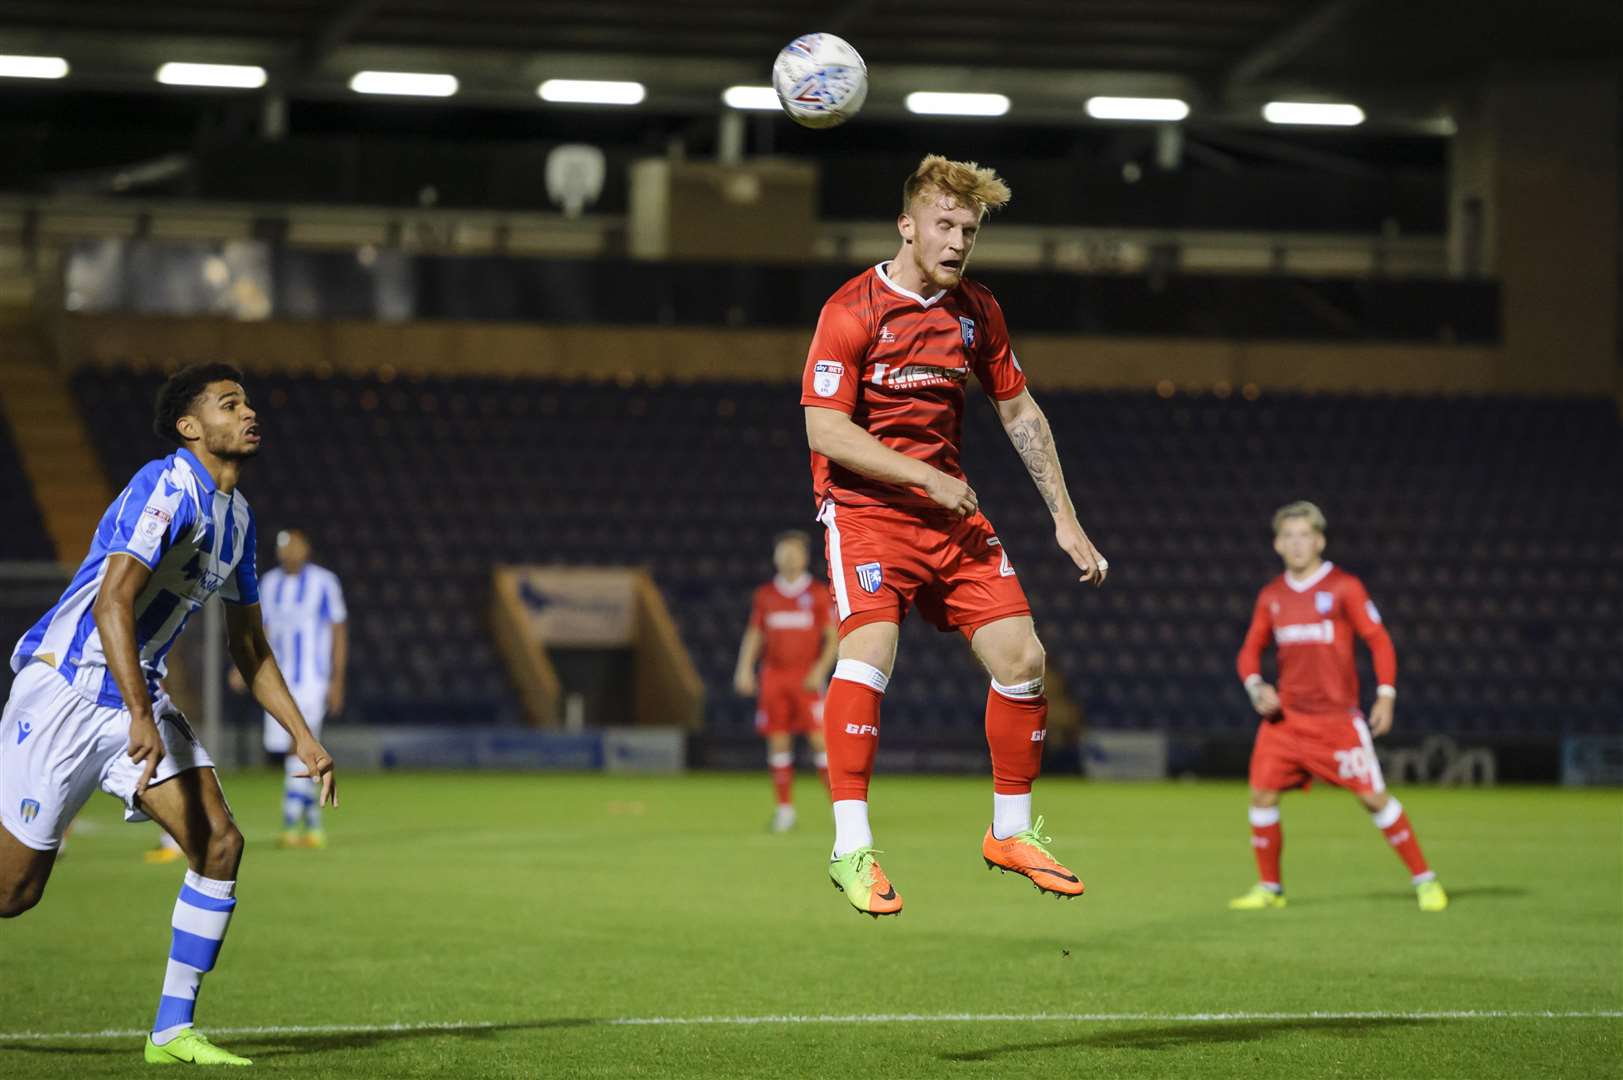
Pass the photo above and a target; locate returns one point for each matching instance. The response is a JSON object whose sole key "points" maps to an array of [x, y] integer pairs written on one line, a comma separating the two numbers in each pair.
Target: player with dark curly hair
{"points": [[87, 708]]}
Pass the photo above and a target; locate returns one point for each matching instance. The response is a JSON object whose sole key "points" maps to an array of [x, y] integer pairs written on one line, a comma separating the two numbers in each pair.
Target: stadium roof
{"points": [[1225, 56]]}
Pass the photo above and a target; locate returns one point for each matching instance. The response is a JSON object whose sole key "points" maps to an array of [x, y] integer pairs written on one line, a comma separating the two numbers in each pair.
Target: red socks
{"points": [[1016, 723], [1268, 842], [783, 775], [1394, 823], [851, 727]]}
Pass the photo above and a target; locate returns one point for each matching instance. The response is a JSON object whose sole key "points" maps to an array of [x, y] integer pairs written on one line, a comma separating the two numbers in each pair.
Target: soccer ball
{"points": [[821, 80]]}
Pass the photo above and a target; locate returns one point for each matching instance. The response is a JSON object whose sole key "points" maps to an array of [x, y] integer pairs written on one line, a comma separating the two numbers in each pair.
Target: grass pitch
{"points": [[520, 926]]}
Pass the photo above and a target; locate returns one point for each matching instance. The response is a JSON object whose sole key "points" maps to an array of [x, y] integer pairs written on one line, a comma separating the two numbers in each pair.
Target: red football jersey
{"points": [[1312, 624], [792, 617], [897, 363]]}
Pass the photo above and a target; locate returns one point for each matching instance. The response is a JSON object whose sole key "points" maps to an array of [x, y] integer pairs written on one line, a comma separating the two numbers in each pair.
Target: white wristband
{"points": [[1384, 691]]}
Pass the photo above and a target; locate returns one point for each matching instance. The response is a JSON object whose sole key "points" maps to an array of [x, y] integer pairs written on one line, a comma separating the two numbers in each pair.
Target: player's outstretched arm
{"points": [[837, 437], [114, 612], [1033, 440], [1264, 698], [339, 667], [250, 651], [817, 677], [1366, 620], [749, 651]]}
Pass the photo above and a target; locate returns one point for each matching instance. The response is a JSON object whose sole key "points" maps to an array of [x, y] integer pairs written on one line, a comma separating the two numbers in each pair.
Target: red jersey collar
{"points": [[1312, 580], [879, 268], [790, 589]]}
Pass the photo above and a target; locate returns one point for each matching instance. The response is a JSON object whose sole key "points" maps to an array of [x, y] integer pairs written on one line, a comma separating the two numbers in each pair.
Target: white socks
{"points": [[1010, 814], [851, 829], [1387, 816]]}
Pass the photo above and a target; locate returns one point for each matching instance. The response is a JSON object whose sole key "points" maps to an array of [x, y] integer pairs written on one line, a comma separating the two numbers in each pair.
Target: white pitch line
{"points": [[862, 1018]]}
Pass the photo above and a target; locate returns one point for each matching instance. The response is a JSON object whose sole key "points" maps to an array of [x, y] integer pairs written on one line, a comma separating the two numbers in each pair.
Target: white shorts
{"points": [[312, 703], [56, 747]]}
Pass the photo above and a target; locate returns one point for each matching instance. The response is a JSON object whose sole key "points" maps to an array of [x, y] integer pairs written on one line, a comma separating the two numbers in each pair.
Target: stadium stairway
{"points": [[53, 443]]}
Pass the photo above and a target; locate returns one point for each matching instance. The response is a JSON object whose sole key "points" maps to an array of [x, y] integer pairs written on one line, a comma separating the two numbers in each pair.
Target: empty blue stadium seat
{"points": [[1484, 527]]}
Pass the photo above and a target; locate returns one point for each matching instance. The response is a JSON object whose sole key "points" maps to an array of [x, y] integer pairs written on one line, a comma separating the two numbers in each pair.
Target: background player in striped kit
{"points": [[308, 627], [87, 709], [793, 634]]}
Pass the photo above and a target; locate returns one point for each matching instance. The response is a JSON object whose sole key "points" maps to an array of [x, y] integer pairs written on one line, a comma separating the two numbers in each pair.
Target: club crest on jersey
{"points": [[826, 376], [29, 810], [870, 576], [1323, 602], [804, 600], [967, 327]]}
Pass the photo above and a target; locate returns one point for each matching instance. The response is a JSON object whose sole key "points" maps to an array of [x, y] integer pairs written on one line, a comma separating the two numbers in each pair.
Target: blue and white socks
{"points": [[300, 806], [202, 914]]}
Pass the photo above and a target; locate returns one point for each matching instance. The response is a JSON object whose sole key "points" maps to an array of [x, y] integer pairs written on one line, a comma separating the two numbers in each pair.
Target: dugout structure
{"points": [[535, 609]]}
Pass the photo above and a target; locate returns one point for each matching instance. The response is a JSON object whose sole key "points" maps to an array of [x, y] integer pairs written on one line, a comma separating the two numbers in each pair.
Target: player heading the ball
{"points": [[883, 391]]}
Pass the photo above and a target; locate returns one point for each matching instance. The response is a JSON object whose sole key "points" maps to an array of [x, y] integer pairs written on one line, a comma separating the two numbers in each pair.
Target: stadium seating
{"points": [[1485, 528], [24, 537]]}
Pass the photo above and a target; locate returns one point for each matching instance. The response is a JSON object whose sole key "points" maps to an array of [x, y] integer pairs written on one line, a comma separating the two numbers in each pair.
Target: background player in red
{"points": [[883, 390], [1311, 727], [792, 634]]}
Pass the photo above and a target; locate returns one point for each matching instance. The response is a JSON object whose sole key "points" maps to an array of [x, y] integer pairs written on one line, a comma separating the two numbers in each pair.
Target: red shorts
{"points": [[1294, 751], [785, 707], [882, 560]]}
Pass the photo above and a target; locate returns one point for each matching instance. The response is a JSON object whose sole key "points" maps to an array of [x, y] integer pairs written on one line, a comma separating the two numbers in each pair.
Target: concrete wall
{"points": [[1534, 201], [700, 353]]}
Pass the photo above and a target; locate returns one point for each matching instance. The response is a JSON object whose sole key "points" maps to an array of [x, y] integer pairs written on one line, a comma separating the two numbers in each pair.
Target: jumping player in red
{"points": [[792, 634], [1312, 729], [883, 391]]}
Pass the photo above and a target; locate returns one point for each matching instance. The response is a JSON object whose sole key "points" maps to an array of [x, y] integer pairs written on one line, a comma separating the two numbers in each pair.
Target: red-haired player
{"points": [[791, 634], [1312, 729], [883, 391]]}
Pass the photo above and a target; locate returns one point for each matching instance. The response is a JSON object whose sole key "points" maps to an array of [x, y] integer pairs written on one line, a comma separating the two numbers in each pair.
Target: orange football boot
{"points": [[1024, 853]]}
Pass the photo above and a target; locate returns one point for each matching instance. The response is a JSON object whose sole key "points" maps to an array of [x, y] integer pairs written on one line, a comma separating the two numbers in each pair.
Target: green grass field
{"points": [[501, 925]]}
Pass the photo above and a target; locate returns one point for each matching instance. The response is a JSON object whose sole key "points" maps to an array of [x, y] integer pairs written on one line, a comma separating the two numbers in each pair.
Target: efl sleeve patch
{"points": [[147, 538], [826, 376], [1371, 610]]}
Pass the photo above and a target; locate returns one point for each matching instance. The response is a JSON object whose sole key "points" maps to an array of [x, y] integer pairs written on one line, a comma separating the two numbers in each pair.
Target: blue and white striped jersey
{"points": [[194, 539], [300, 611]]}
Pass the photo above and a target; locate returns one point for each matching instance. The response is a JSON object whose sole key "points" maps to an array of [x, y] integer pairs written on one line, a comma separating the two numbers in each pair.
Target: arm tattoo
{"points": [[1035, 444]]}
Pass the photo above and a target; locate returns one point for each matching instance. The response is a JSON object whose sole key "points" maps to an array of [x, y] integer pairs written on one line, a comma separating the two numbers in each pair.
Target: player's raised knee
{"points": [[224, 850], [18, 898], [1025, 664]]}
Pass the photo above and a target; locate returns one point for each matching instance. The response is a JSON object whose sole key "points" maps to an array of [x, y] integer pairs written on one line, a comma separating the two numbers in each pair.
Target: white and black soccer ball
{"points": [[821, 80]]}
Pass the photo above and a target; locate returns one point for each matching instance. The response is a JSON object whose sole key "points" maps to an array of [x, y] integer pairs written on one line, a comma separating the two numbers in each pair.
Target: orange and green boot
{"points": [[1024, 853]]}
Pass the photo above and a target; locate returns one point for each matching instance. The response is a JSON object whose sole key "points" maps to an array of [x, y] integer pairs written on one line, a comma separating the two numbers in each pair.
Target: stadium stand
{"points": [[29, 581], [1485, 527], [25, 538]]}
